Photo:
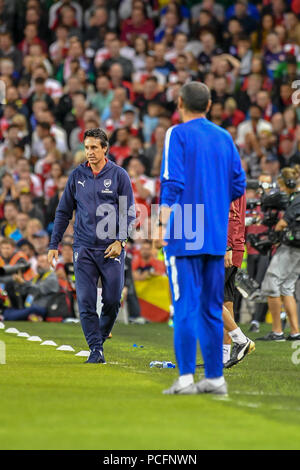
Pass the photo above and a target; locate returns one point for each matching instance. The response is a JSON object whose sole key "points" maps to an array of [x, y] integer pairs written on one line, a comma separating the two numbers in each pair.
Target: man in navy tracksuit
{"points": [[100, 192]]}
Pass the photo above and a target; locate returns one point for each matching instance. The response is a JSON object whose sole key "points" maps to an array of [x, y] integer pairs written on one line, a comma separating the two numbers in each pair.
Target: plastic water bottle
{"points": [[162, 365]]}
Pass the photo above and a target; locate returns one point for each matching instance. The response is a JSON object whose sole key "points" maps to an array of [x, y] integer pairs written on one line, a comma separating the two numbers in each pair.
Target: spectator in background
{"points": [[137, 25], [9, 51], [290, 156], [120, 150], [21, 224], [9, 190], [253, 125], [55, 11], [27, 205], [10, 216], [145, 265], [103, 96], [241, 12], [273, 53], [40, 241], [115, 57], [143, 188]]}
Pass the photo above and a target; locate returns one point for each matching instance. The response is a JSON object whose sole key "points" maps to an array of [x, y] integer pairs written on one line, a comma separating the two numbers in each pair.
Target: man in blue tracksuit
{"points": [[201, 174], [101, 194]]}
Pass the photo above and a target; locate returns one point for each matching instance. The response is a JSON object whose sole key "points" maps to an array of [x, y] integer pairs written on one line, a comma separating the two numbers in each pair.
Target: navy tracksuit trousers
{"points": [[89, 265]]}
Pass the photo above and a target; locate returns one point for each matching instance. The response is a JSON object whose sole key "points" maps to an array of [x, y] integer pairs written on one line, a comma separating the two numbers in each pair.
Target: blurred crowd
{"points": [[68, 66]]}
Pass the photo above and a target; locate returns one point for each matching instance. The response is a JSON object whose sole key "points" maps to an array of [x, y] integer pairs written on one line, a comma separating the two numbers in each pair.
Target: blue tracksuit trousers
{"points": [[89, 265], [197, 285]]}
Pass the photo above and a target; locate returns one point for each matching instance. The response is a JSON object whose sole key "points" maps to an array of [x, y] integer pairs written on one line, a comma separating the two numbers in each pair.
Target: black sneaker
{"points": [[254, 327], [239, 352], [272, 337], [96, 357], [293, 337]]}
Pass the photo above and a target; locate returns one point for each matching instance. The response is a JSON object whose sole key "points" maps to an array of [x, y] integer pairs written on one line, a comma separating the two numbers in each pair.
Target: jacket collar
{"points": [[87, 169]]}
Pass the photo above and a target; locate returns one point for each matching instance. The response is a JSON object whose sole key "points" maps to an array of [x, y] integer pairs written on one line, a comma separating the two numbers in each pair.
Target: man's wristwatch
{"points": [[228, 248], [123, 243], [160, 224]]}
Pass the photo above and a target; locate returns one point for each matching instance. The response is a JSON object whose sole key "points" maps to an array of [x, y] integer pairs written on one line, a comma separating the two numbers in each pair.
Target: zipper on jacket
{"points": [[95, 205]]}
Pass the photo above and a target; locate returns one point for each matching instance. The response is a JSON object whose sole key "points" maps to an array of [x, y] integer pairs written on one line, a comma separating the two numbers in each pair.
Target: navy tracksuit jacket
{"points": [[104, 210]]}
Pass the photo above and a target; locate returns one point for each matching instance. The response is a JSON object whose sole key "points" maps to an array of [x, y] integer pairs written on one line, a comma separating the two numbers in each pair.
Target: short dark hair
{"points": [[97, 133], [11, 203], [39, 81], [195, 97], [255, 105], [8, 241], [44, 125]]}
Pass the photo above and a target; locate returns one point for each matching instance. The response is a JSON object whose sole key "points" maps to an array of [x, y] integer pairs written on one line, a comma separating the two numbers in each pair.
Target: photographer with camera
{"points": [[257, 263], [40, 294], [284, 269], [11, 261]]}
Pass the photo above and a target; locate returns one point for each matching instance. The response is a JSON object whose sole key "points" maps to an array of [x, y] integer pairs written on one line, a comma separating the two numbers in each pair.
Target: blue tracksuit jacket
{"points": [[200, 166], [100, 216]]}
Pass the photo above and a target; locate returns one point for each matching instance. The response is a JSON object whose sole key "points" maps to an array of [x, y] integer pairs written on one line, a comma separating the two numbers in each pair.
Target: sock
{"points": [[226, 352], [217, 382], [237, 336], [294, 335], [278, 334], [186, 380]]}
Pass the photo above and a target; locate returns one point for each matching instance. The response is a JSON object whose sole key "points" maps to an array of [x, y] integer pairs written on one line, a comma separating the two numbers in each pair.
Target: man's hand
{"points": [[113, 250], [18, 278], [52, 255], [124, 292], [158, 237], [228, 259], [281, 224]]}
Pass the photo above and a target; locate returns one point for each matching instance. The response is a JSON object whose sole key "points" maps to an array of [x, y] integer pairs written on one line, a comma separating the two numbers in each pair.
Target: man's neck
{"points": [[190, 116], [96, 168]]}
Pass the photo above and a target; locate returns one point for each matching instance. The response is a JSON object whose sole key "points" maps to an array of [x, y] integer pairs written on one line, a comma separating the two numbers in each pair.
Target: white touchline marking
{"points": [[249, 405]]}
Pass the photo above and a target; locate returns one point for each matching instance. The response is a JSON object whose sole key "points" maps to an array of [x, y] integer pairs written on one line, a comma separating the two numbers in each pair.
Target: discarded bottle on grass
{"points": [[162, 365]]}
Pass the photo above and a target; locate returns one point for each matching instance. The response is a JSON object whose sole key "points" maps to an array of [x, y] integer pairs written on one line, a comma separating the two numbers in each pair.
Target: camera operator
{"points": [[9, 257], [284, 269], [257, 263], [40, 293]]}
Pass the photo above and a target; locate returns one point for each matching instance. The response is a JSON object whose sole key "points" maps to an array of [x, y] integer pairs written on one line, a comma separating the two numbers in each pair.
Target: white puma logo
{"points": [[117, 259], [81, 182]]}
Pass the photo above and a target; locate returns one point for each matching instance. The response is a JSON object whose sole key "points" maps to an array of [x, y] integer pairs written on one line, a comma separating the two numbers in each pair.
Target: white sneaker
{"points": [[177, 389], [205, 386]]}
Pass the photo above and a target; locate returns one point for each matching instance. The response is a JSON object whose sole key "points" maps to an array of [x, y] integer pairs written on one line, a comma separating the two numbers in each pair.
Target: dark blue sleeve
{"points": [[127, 213], [238, 175], [63, 214]]}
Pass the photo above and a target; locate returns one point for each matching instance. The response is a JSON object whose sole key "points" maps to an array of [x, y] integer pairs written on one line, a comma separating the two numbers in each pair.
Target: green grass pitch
{"points": [[50, 400]]}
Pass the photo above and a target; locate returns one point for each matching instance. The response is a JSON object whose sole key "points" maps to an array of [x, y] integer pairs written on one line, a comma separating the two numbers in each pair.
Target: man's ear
{"points": [[179, 103], [208, 106]]}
